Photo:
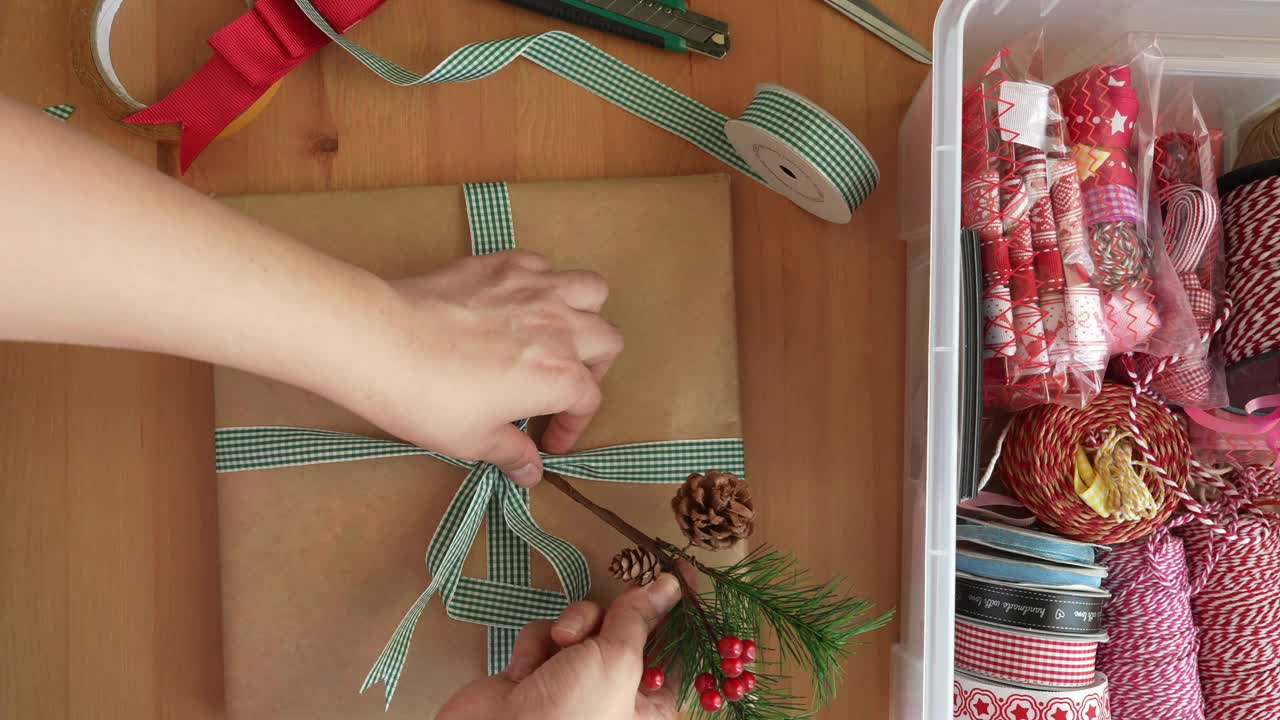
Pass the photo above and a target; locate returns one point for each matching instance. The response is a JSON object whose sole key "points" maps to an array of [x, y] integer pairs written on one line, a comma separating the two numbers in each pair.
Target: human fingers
{"points": [[659, 704], [515, 454], [484, 699], [578, 622], [596, 340], [688, 572], [634, 615], [526, 259], [581, 289], [533, 647], [566, 427]]}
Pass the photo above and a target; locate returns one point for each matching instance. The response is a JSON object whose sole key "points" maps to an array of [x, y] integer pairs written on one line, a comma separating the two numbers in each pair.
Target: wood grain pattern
{"points": [[108, 547]]}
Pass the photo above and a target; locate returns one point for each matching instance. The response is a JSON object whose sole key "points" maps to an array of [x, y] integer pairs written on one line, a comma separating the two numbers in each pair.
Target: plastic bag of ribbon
{"points": [[1110, 112], [1043, 334], [1185, 213]]}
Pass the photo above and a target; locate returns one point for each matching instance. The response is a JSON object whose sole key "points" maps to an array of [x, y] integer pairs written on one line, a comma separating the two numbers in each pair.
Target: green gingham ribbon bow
{"points": [[504, 601], [782, 140]]}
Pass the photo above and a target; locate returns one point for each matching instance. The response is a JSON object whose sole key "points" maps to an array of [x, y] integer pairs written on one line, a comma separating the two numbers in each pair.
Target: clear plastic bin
{"points": [[1232, 50]]}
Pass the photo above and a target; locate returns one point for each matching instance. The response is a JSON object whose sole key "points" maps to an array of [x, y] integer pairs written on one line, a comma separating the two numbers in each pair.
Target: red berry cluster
{"points": [[735, 655]]}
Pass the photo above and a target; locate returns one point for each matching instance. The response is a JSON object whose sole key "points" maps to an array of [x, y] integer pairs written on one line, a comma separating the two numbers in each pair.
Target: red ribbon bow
{"points": [[251, 54]]}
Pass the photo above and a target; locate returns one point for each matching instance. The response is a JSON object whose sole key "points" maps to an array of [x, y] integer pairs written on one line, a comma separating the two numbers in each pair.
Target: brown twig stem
{"points": [[631, 532], [665, 551]]}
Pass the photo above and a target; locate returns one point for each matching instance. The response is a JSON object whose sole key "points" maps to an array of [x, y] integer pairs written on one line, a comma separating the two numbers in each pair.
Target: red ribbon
{"points": [[251, 54]]}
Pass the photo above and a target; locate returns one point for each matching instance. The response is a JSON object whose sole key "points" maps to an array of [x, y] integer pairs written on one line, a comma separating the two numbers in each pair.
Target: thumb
{"points": [[636, 613], [515, 454]]}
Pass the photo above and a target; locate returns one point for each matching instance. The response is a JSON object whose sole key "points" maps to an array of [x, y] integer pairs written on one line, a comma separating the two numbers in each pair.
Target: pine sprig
{"points": [[683, 647], [815, 623]]}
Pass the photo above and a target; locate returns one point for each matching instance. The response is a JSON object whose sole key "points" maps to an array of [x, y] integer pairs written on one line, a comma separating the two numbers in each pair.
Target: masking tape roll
{"points": [[974, 698], [91, 59]]}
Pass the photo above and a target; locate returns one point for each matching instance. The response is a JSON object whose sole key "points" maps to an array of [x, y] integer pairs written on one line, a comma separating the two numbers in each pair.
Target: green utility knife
{"points": [[666, 24]]}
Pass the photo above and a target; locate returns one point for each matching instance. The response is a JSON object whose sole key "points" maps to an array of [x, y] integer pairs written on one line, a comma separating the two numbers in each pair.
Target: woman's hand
{"points": [[585, 665], [128, 258], [481, 343]]}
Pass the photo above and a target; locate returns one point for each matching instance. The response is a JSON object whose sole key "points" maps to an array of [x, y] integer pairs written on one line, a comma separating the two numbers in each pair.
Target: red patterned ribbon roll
{"points": [[1191, 231], [1028, 317], [1068, 211], [974, 698], [1048, 258], [1192, 220], [981, 211], [1024, 658], [1044, 227], [1101, 108], [1083, 319], [1184, 158]]}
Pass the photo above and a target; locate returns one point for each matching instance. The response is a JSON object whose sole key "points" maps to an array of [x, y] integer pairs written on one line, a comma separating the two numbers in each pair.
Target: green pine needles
{"points": [[767, 594], [815, 625]]}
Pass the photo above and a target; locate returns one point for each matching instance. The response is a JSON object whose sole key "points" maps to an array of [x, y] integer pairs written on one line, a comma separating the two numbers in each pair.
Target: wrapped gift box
{"points": [[320, 562]]}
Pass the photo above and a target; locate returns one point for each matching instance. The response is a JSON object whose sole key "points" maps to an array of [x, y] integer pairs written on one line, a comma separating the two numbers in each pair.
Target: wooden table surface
{"points": [[109, 589]]}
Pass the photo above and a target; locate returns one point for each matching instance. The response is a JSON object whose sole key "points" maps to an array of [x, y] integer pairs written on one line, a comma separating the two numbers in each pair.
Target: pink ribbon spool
{"points": [[1265, 428]]}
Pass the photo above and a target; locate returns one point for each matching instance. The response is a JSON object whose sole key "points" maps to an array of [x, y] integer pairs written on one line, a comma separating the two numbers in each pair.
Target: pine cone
{"points": [[714, 510], [635, 565]]}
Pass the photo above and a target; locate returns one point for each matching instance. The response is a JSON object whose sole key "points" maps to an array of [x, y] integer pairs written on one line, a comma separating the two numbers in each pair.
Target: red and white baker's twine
{"points": [[1142, 384], [1158, 655], [1151, 657], [1251, 219], [1237, 610]]}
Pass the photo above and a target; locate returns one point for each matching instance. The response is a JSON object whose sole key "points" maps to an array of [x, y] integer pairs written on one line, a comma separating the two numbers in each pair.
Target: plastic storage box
{"points": [[1229, 48]]}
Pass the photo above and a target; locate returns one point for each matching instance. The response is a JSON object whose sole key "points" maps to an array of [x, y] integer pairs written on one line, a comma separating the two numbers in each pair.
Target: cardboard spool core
{"points": [[91, 58]]}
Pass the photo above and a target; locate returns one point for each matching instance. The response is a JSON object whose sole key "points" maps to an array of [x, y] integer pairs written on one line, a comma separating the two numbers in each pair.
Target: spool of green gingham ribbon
{"points": [[782, 140], [504, 601]]}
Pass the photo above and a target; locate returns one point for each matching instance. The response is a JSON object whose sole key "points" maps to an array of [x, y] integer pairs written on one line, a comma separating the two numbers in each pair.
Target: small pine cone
{"points": [[635, 565], [714, 510]]}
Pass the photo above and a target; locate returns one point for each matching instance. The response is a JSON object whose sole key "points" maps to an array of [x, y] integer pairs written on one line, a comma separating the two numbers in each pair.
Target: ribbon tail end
{"points": [[191, 143], [388, 688], [390, 663]]}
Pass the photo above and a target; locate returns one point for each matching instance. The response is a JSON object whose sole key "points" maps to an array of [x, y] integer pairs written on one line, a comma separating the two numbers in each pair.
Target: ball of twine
{"points": [[1262, 143], [1038, 461]]}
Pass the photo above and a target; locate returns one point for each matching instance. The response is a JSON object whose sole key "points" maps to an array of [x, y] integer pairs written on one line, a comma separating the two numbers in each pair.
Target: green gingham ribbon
{"points": [[504, 601], [798, 133], [61, 112]]}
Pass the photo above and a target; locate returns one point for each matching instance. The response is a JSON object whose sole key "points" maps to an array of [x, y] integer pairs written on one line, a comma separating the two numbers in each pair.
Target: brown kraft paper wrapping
{"points": [[320, 562]]}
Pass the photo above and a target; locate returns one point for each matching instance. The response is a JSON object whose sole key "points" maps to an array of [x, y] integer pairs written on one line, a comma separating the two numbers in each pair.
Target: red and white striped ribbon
{"points": [[1036, 660]]}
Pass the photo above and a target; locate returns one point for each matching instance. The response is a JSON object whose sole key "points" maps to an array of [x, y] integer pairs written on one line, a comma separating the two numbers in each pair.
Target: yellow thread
{"points": [[1111, 482]]}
